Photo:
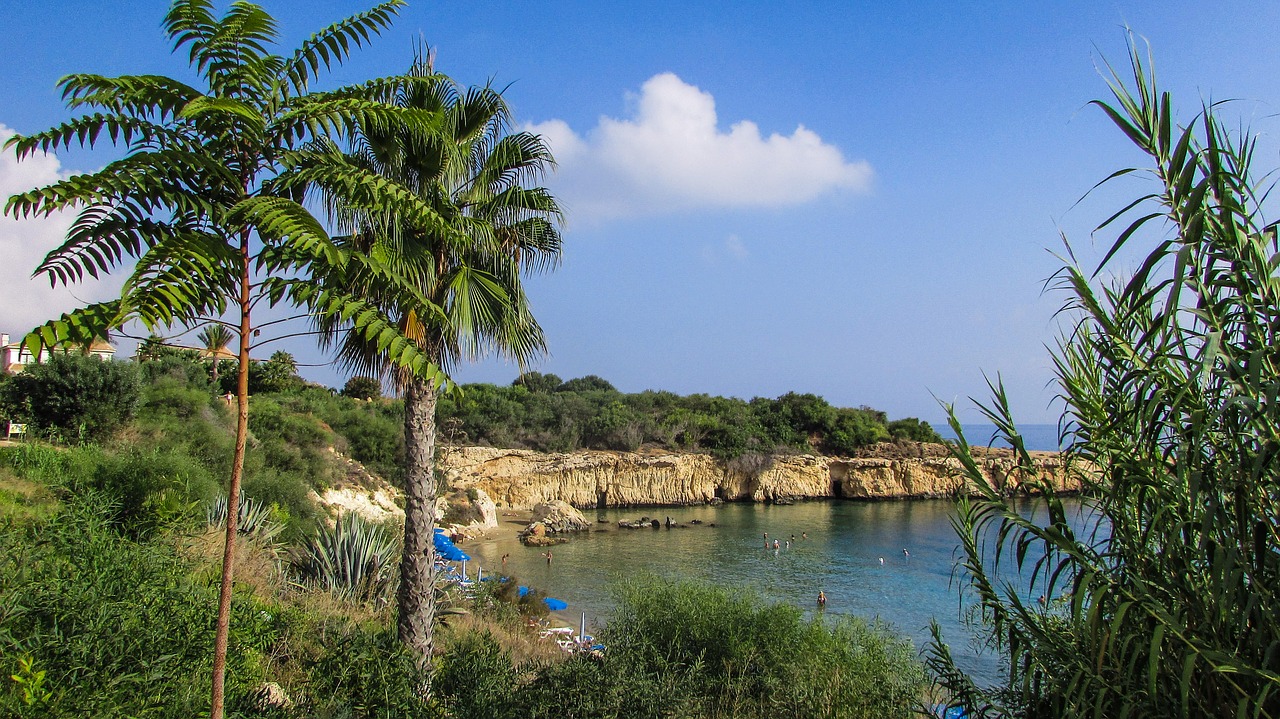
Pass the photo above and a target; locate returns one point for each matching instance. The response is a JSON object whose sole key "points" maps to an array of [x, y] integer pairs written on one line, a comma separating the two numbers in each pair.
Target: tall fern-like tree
{"points": [[480, 177], [215, 339], [204, 210]]}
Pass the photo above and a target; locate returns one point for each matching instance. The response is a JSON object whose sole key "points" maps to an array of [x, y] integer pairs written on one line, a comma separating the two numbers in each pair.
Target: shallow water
{"points": [[841, 556]]}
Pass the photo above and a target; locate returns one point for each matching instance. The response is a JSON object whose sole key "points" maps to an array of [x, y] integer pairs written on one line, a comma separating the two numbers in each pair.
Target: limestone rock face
{"points": [[559, 517], [523, 479], [468, 509]]}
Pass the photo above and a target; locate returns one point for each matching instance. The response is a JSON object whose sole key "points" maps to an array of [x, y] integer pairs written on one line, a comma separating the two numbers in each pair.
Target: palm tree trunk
{"points": [[233, 492], [417, 565]]}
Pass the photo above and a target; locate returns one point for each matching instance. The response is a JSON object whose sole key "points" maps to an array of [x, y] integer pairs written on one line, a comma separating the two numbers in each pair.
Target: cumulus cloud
{"points": [[27, 301], [672, 156]]}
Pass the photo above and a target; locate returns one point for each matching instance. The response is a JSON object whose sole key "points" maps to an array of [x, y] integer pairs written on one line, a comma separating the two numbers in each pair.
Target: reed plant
{"points": [[1162, 598]]}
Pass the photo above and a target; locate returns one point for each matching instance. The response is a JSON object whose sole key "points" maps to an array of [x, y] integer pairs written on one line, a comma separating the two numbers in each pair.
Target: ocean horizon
{"points": [[1038, 437]]}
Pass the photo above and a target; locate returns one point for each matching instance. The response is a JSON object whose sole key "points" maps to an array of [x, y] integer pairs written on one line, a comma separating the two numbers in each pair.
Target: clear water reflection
{"points": [[841, 556]]}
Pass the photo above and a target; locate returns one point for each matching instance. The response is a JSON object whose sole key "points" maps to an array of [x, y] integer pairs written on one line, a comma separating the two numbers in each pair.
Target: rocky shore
{"points": [[523, 479]]}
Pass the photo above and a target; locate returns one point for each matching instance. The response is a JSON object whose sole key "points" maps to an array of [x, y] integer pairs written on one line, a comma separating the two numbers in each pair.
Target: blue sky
{"points": [[853, 199]]}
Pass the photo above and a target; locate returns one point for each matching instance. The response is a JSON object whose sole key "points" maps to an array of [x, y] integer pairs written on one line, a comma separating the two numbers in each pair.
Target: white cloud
{"points": [[671, 156], [27, 301]]}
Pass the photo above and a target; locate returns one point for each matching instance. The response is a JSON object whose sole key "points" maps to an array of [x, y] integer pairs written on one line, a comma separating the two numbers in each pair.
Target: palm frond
{"points": [[332, 45]]}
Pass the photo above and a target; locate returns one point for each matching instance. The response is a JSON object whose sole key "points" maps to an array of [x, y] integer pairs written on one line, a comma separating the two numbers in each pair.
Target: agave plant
{"points": [[254, 518], [354, 559]]}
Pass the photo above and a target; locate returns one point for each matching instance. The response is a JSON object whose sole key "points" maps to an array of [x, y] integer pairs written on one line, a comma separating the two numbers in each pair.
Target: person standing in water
{"points": [[822, 599]]}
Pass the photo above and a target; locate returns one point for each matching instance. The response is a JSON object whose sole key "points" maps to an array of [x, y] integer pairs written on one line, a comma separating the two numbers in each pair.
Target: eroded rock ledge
{"points": [[523, 479]]}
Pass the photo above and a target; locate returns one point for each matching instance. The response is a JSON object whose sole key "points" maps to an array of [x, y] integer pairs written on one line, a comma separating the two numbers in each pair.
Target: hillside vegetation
{"points": [[109, 557]]}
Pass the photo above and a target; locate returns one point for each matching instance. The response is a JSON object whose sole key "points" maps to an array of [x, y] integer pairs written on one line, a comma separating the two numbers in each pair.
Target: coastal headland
{"points": [[522, 479]]}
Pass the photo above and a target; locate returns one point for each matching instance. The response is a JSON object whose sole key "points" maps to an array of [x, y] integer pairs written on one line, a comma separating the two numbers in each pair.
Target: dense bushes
{"points": [[540, 412], [116, 625], [687, 649], [73, 395]]}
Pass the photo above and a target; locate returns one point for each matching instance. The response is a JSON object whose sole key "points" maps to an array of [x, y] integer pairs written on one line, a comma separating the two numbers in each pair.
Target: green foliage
{"points": [[534, 413], [353, 559], [254, 517], [278, 374], [74, 396], [914, 430], [116, 625], [151, 487], [182, 367], [590, 383], [729, 653], [366, 673], [362, 388], [538, 382], [1164, 593], [476, 680]]}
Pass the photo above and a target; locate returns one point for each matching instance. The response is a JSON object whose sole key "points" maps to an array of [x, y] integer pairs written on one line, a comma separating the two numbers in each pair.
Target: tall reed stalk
{"points": [[1171, 382]]}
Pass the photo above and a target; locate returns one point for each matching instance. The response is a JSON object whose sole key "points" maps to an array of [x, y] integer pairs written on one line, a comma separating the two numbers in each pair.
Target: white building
{"points": [[14, 355]]}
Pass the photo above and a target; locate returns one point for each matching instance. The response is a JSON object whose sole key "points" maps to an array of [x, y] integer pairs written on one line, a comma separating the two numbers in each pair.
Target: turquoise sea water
{"points": [[846, 541]]}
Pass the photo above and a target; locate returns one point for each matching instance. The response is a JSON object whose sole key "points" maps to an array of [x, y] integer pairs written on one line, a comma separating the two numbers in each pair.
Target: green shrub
{"points": [[730, 653], [476, 680], [151, 487], [116, 624], [914, 430], [74, 396], [185, 368], [365, 388], [366, 673]]}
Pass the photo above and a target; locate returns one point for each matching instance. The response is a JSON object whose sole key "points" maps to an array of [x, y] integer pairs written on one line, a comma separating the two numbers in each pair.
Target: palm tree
{"points": [[215, 338], [207, 199], [476, 175]]}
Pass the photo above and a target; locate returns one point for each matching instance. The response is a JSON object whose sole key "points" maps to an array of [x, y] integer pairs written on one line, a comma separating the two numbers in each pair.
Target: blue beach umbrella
{"points": [[554, 604], [453, 554]]}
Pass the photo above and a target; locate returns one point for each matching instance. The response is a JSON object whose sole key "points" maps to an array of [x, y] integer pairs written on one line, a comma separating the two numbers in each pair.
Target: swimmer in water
{"points": [[906, 554], [882, 561], [788, 544], [804, 535], [822, 598]]}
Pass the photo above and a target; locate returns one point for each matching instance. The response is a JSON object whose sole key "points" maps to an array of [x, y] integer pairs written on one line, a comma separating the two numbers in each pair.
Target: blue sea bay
{"points": [[841, 556]]}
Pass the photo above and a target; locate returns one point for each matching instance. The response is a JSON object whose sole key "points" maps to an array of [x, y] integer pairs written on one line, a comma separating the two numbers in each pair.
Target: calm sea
{"points": [[1040, 437], [842, 557]]}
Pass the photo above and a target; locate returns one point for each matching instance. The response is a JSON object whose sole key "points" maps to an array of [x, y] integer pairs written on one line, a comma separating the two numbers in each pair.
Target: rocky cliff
{"points": [[522, 479]]}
